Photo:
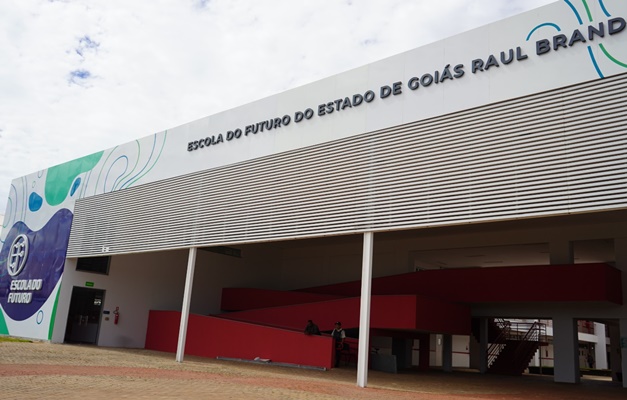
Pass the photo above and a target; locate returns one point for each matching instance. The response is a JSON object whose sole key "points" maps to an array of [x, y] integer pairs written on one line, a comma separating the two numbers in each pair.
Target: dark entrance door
{"points": [[83, 322]]}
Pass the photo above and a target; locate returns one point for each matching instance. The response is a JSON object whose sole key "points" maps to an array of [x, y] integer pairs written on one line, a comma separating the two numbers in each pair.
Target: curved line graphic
{"points": [[165, 135], [594, 62], [111, 167], [575, 11], [101, 168], [139, 153], [25, 200], [23, 206], [14, 216], [85, 185], [11, 213], [9, 207], [608, 55], [540, 26], [607, 14], [585, 4], [131, 180]]}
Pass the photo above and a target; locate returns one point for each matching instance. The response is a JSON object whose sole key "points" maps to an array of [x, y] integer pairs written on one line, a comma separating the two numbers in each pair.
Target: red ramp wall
{"points": [[545, 283], [217, 337], [239, 299], [409, 312]]}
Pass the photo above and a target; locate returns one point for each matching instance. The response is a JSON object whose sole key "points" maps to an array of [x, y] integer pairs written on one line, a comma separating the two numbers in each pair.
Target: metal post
{"points": [[187, 296], [364, 312]]}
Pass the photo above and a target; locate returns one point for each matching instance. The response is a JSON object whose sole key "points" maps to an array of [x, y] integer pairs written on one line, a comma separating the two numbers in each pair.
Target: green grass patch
{"points": [[13, 339]]}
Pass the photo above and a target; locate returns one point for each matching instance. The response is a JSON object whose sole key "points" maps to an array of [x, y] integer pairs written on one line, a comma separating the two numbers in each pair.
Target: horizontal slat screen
{"points": [[563, 151]]}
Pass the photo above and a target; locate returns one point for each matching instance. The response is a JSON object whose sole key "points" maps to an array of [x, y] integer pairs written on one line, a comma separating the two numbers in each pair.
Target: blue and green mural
{"points": [[36, 229]]}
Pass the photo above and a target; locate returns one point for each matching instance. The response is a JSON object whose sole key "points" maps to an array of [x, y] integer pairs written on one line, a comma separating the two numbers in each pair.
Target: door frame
{"points": [[85, 289]]}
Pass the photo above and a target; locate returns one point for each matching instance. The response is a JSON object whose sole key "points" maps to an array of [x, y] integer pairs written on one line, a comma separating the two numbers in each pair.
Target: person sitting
{"points": [[311, 328]]}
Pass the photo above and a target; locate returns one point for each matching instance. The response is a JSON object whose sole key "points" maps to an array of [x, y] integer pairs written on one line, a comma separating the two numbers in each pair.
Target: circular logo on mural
{"points": [[18, 253], [34, 265]]}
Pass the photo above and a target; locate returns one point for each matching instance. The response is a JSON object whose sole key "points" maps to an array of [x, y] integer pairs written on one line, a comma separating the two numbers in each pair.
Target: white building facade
{"points": [[513, 135]]}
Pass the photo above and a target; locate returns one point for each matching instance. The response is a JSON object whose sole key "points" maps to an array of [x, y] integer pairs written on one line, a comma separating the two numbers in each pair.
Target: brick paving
{"points": [[55, 371]]}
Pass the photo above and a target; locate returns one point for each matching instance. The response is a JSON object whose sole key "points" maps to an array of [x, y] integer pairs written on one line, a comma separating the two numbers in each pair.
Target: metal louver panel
{"points": [[563, 151]]}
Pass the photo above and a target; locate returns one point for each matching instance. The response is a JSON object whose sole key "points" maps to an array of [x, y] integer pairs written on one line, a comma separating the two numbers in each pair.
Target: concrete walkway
{"points": [[54, 371]]}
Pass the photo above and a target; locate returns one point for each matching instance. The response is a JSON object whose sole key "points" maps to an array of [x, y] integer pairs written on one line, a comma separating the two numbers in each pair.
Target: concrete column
{"points": [[620, 254], [566, 348], [483, 346], [561, 252], [615, 355], [424, 354], [410, 262], [402, 349], [600, 348], [623, 349], [187, 297], [474, 353], [364, 311], [447, 353]]}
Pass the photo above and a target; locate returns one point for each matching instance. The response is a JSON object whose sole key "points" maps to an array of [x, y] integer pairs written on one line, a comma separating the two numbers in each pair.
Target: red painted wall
{"points": [[420, 301], [387, 312], [563, 283], [218, 337], [434, 316], [163, 330], [239, 299]]}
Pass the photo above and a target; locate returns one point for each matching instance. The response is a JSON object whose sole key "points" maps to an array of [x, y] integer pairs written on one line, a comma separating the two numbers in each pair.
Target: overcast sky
{"points": [[79, 76]]}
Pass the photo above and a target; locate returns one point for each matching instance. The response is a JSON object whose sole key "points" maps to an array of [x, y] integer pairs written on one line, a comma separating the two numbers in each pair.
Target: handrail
{"points": [[495, 348], [521, 331], [533, 335]]}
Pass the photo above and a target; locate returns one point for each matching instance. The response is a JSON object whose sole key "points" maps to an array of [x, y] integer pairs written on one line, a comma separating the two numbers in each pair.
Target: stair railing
{"points": [[530, 343], [523, 331], [494, 349], [536, 333]]}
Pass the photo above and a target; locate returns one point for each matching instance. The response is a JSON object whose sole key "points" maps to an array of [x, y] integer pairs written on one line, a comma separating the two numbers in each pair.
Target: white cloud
{"points": [[80, 76]]}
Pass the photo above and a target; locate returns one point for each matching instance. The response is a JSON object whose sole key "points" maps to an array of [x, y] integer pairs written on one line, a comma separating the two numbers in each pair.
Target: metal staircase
{"points": [[513, 345]]}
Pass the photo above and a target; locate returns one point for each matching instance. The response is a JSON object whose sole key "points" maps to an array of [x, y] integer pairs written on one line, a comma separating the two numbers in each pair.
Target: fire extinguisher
{"points": [[116, 318]]}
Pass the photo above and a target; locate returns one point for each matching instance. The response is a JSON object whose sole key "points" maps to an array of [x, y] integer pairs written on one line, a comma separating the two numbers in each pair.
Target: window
{"points": [[97, 265]]}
